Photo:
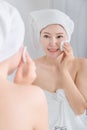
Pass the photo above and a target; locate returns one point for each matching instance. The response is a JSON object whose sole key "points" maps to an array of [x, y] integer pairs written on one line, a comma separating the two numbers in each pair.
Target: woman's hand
{"points": [[64, 61], [25, 73], [65, 58]]}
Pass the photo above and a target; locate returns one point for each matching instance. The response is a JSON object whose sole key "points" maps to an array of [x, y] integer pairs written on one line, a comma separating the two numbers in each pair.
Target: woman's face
{"points": [[51, 37]]}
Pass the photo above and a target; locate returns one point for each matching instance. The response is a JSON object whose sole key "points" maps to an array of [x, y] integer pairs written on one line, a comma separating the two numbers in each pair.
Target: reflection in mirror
{"points": [[77, 11], [60, 74]]}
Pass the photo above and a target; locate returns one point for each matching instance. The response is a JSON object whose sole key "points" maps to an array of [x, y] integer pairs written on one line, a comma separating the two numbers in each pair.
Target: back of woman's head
{"points": [[12, 30]]}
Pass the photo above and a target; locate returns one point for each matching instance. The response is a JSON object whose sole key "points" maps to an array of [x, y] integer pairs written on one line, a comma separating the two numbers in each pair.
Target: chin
{"points": [[53, 55]]}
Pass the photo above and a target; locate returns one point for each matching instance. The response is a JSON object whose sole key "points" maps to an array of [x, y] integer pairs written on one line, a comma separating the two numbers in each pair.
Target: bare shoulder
{"points": [[81, 76], [39, 109], [22, 106], [81, 63], [32, 100], [37, 92], [38, 98], [38, 105], [32, 93]]}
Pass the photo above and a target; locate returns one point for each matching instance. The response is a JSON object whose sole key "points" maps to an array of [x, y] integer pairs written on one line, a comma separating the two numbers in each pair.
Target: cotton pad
{"points": [[61, 45], [24, 54]]}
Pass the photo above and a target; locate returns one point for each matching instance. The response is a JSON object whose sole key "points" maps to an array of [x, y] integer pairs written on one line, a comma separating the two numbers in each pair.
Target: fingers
{"points": [[66, 54], [67, 49], [60, 58], [24, 54], [18, 75], [23, 67], [29, 66], [26, 70], [28, 57]]}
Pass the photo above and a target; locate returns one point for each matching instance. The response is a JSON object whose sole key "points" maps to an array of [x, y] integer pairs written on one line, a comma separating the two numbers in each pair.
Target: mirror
{"points": [[76, 10]]}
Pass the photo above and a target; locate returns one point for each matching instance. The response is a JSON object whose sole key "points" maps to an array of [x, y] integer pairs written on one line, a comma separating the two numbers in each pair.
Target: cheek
{"points": [[43, 42], [45, 45]]}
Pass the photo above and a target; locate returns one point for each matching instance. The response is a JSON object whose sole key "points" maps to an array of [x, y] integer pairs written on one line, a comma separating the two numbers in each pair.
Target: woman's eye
{"points": [[60, 36], [46, 36]]}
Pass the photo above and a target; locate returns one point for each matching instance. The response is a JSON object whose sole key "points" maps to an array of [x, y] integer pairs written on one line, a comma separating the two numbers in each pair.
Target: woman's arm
{"points": [[74, 96], [72, 92], [81, 80]]}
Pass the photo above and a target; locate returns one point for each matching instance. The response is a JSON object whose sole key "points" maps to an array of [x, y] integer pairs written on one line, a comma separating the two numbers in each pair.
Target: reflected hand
{"points": [[64, 63], [65, 58]]}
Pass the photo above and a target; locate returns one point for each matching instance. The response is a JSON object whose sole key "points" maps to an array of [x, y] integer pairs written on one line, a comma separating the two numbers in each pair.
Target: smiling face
{"points": [[51, 37]]}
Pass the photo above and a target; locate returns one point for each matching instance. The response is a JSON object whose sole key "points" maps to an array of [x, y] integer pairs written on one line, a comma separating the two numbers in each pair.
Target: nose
{"points": [[53, 41]]}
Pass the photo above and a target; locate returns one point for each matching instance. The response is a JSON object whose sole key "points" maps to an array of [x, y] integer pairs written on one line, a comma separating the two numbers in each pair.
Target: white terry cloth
{"points": [[12, 30], [61, 115], [41, 18]]}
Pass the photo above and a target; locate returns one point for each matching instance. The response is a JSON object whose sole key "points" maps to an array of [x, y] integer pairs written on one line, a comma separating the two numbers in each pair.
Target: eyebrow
{"points": [[56, 33], [46, 32]]}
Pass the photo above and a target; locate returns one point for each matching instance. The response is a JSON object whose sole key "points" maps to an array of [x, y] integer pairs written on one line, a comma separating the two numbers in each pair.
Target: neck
{"points": [[49, 60]]}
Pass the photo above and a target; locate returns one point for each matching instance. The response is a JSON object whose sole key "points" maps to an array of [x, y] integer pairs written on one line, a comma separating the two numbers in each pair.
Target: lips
{"points": [[53, 50]]}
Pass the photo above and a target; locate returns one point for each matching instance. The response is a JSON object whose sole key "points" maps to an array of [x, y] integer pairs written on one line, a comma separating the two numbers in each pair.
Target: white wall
{"points": [[25, 6]]}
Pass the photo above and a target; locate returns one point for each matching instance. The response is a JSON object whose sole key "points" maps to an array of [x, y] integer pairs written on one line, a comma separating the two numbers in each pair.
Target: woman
{"points": [[61, 75], [21, 105]]}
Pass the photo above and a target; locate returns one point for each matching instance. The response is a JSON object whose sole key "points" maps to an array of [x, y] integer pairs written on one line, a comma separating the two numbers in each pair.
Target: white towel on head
{"points": [[12, 30], [42, 18]]}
